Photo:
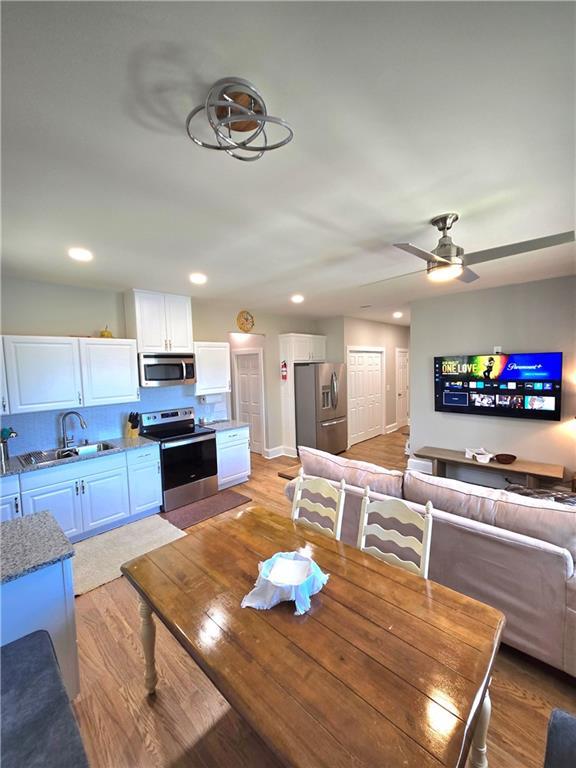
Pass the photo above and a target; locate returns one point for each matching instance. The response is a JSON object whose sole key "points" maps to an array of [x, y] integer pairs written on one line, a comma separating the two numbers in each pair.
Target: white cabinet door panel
{"points": [[62, 500], [233, 457], [109, 371], [302, 348], [212, 367], [150, 322], [179, 323], [43, 373], [4, 402], [9, 507], [104, 498], [145, 486], [318, 349]]}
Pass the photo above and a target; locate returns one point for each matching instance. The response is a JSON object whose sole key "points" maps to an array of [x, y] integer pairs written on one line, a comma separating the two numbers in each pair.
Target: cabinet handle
{"points": [[16, 505], [3, 405], [79, 399], [77, 488], [170, 344], [83, 486], [158, 467]]}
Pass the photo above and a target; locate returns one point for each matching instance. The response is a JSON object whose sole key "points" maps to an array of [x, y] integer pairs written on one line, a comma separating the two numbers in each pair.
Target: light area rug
{"points": [[97, 560]]}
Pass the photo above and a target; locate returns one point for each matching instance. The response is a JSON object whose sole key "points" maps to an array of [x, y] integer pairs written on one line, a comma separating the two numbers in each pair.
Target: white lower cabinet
{"points": [[10, 502], [89, 496], [104, 498], [61, 499], [233, 455], [144, 479]]}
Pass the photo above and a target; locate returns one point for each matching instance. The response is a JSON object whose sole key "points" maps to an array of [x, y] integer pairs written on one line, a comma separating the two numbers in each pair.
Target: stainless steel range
{"points": [[187, 456]]}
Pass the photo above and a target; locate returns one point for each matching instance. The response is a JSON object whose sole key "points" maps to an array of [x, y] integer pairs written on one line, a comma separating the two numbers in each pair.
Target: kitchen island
{"points": [[37, 588]]}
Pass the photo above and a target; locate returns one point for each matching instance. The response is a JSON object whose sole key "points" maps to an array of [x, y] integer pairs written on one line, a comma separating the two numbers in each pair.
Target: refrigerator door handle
{"points": [[331, 423], [334, 390]]}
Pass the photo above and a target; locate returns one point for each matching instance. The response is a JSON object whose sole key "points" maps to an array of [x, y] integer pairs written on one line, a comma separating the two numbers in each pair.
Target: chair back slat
{"points": [[391, 534], [320, 509], [318, 487], [398, 510], [393, 559]]}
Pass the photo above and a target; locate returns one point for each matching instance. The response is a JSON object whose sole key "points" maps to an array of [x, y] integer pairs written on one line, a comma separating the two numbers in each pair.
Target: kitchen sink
{"points": [[57, 454]]}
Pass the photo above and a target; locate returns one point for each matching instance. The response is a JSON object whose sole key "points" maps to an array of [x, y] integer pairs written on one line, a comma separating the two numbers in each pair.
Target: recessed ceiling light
{"points": [[80, 254], [397, 315], [198, 278], [297, 298]]}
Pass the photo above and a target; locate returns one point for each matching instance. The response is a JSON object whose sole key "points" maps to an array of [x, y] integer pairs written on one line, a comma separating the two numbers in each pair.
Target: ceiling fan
{"points": [[448, 262]]}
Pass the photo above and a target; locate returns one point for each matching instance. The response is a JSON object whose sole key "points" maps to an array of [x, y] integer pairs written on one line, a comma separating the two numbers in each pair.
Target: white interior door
{"points": [[364, 395], [249, 396], [402, 387]]}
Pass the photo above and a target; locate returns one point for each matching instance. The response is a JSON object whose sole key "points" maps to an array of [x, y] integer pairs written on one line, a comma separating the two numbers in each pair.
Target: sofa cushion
{"points": [[358, 473], [473, 501], [540, 519]]}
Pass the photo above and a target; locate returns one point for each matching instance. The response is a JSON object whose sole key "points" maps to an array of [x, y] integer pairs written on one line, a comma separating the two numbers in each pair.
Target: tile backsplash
{"points": [[40, 431]]}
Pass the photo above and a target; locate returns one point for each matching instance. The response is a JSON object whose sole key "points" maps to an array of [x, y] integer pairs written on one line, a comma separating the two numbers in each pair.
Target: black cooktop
{"points": [[175, 432]]}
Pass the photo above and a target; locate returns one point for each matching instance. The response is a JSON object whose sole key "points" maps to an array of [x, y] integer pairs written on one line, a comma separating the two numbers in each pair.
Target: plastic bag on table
{"points": [[286, 576]]}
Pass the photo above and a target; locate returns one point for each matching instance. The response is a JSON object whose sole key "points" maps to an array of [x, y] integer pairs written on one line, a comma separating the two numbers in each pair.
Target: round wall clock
{"points": [[245, 321]]}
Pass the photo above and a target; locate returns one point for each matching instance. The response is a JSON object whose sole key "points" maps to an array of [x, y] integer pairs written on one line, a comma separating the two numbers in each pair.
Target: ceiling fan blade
{"points": [[468, 276], [420, 252], [394, 277], [478, 257]]}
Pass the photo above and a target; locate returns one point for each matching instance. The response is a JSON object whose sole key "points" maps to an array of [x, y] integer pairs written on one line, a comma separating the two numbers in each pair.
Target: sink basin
{"points": [[56, 454], [82, 450]]}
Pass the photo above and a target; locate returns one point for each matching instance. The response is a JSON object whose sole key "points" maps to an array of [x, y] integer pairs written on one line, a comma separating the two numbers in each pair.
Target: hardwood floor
{"points": [[189, 724]]}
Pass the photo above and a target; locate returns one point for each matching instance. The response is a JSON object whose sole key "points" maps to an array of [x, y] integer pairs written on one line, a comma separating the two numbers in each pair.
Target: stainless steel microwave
{"points": [[157, 370]]}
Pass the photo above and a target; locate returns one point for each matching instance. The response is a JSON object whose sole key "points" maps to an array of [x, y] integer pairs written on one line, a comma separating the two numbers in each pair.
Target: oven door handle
{"points": [[187, 441]]}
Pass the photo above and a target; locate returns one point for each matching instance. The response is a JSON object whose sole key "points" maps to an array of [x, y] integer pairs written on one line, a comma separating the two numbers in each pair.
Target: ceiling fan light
{"points": [[440, 273]]}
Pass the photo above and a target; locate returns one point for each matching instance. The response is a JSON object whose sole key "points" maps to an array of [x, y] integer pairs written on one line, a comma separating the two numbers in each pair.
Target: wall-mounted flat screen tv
{"points": [[521, 386]]}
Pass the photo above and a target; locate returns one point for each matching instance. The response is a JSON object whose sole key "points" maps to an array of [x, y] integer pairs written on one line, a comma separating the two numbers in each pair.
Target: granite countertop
{"points": [[120, 444], [224, 426], [30, 543]]}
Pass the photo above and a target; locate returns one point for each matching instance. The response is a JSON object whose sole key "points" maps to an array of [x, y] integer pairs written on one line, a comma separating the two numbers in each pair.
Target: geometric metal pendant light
{"points": [[233, 108]]}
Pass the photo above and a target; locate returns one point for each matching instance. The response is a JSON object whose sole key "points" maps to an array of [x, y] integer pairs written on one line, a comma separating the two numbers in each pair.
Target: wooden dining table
{"points": [[387, 669]]}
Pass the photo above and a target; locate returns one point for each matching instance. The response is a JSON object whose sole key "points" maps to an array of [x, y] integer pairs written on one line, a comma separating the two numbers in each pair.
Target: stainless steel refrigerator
{"points": [[321, 405]]}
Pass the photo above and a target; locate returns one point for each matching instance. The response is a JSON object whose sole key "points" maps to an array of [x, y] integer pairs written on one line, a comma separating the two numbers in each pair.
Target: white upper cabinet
{"points": [[109, 371], [179, 323], [4, 402], [306, 347], [212, 367], [43, 373], [160, 322]]}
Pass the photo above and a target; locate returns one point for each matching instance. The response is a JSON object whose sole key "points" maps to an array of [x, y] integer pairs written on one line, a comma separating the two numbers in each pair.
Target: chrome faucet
{"points": [[67, 442]]}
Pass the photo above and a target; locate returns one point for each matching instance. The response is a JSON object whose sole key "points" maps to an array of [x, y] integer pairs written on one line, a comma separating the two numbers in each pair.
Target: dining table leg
{"points": [[478, 757], [148, 637]]}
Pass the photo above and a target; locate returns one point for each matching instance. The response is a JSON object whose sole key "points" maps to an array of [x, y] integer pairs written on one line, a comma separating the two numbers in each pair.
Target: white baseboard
{"points": [[279, 450], [390, 428], [420, 465]]}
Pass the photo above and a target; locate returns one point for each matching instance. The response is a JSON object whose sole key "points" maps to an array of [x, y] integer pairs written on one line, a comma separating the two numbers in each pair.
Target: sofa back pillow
{"points": [[538, 518], [358, 473], [454, 496]]}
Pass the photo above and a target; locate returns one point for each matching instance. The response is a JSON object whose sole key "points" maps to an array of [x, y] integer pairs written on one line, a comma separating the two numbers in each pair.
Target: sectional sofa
{"points": [[512, 552]]}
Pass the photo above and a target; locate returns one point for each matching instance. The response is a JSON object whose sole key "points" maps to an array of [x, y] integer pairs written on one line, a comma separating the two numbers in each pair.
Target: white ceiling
{"points": [[400, 111]]}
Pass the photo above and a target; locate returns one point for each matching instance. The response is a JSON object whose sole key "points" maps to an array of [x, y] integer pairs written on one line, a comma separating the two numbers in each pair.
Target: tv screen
{"points": [[522, 386]]}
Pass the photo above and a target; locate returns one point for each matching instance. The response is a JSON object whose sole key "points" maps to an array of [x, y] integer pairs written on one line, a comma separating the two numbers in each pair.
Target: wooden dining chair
{"points": [[400, 511], [317, 486]]}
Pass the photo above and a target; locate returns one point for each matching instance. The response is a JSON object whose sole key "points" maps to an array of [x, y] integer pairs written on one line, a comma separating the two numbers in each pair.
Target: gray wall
{"points": [[372, 334], [530, 317]]}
